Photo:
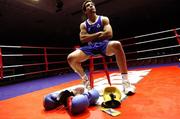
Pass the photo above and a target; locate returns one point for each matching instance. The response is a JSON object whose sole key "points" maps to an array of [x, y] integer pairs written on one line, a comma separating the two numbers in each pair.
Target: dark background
{"points": [[41, 23]]}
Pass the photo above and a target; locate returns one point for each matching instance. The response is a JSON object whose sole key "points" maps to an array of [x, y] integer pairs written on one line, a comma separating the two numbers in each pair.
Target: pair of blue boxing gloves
{"points": [[74, 103]]}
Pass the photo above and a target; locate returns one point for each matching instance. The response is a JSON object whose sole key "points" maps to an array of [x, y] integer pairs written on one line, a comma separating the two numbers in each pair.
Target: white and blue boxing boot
{"points": [[86, 82], [128, 88]]}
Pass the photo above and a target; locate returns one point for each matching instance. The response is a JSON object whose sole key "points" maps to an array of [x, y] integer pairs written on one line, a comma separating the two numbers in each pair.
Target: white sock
{"points": [[124, 76], [85, 77]]}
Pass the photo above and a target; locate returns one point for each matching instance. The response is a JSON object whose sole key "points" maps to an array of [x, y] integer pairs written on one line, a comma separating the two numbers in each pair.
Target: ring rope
{"points": [[154, 57], [149, 34], [17, 75], [159, 39], [158, 48], [155, 33], [153, 49], [154, 40], [8, 46], [14, 66], [11, 55], [12, 76]]}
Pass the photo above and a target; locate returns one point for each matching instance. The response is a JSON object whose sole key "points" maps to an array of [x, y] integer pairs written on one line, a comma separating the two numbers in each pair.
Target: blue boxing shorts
{"points": [[94, 48]]}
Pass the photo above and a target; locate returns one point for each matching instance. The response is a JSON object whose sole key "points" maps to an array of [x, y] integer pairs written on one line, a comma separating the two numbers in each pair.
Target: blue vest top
{"points": [[95, 27]]}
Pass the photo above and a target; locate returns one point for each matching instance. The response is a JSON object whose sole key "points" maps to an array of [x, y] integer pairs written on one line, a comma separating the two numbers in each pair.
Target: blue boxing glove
{"points": [[50, 102], [93, 96], [77, 104]]}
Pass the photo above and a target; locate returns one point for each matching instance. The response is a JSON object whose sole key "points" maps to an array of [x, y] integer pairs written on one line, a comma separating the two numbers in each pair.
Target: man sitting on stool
{"points": [[96, 31]]}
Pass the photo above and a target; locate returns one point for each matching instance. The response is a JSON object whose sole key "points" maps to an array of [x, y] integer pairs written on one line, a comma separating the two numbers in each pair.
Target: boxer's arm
{"points": [[85, 37], [107, 32]]}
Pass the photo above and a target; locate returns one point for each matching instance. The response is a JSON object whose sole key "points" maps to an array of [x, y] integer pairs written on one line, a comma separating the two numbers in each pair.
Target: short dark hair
{"points": [[84, 4]]}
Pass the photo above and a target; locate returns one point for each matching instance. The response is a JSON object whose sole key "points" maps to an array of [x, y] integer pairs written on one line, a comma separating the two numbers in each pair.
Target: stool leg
{"points": [[108, 77], [106, 71], [91, 69]]}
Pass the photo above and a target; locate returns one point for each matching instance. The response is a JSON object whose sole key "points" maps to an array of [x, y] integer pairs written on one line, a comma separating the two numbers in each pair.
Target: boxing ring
{"points": [[23, 61], [153, 63]]}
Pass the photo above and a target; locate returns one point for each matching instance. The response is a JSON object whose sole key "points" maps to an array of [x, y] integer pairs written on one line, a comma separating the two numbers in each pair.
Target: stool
{"points": [[92, 71]]}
